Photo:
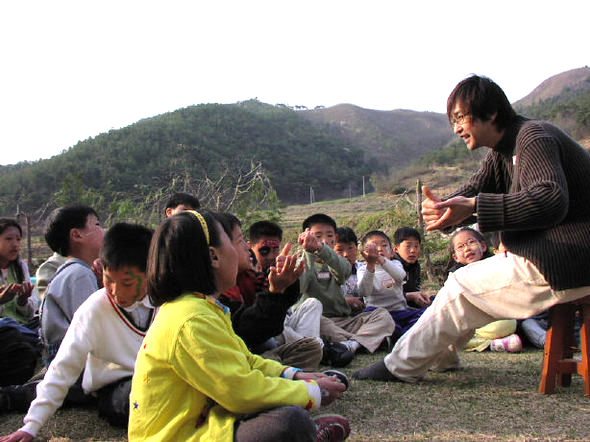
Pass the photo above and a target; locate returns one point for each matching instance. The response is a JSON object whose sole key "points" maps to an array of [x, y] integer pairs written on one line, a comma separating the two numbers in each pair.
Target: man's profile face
{"points": [[266, 249], [473, 131]]}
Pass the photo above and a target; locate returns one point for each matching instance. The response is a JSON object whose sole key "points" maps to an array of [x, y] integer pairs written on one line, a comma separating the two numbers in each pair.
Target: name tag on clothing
{"points": [[387, 284], [324, 276]]}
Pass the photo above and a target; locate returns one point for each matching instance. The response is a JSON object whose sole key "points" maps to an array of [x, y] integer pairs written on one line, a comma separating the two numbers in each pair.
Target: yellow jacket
{"points": [[194, 375]]}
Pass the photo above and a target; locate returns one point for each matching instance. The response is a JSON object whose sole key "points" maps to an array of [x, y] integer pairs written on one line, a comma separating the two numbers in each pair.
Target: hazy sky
{"points": [[73, 69]]}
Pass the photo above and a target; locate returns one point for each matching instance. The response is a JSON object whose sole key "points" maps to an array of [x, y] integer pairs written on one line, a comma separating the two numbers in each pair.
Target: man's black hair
{"points": [[179, 260], [375, 233], [318, 218], [482, 99], [403, 233], [346, 235], [61, 221], [264, 228], [126, 245], [186, 199]]}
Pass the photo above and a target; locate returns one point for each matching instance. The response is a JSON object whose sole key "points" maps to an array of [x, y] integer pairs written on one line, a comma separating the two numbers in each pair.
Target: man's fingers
{"points": [[428, 194]]}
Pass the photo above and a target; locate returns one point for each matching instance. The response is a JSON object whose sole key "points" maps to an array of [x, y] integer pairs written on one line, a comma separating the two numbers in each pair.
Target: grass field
{"points": [[493, 398]]}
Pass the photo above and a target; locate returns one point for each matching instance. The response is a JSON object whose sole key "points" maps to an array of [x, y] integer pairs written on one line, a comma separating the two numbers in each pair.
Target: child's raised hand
{"points": [[370, 254], [8, 292], [309, 242], [285, 272], [26, 292]]}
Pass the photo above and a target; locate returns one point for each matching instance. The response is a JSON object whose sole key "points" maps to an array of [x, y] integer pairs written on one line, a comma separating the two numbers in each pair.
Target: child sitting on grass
{"points": [[381, 282], [407, 243], [194, 377], [75, 232], [102, 341], [467, 246]]}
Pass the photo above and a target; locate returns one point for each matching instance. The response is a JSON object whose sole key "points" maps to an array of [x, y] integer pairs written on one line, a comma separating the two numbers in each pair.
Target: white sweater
{"points": [[100, 341], [384, 287]]}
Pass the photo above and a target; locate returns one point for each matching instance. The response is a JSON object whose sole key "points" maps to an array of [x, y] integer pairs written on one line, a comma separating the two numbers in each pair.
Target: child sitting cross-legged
{"points": [[102, 340], [381, 282], [195, 379]]}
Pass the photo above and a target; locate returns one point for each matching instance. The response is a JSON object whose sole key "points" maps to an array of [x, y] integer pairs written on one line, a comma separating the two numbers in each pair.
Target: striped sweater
{"points": [[533, 186]]}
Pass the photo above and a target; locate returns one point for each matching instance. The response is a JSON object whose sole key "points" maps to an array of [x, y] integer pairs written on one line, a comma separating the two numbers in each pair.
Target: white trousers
{"points": [[304, 322], [505, 286]]}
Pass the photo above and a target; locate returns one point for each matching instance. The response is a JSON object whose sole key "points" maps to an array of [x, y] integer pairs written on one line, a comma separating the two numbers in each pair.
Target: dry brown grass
{"points": [[493, 398]]}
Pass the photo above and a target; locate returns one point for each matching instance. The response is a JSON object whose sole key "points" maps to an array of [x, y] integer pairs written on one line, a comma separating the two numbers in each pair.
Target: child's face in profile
{"points": [[408, 249], [224, 260], [325, 233], [242, 249], [382, 245], [467, 248], [91, 234], [125, 285], [348, 250]]}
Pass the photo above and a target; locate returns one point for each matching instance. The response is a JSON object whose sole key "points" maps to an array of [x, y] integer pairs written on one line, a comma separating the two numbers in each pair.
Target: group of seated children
{"points": [[193, 377], [157, 347]]}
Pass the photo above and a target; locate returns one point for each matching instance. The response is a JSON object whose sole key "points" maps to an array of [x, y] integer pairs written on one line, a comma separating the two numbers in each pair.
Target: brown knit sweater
{"points": [[534, 187]]}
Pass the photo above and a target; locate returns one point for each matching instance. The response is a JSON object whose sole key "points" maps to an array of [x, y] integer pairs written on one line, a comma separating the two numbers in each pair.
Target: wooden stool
{"points": [[558, 362]]}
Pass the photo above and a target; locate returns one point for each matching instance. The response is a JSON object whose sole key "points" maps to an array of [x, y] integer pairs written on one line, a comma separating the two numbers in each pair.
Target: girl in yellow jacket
{"points": [[194, 377]]}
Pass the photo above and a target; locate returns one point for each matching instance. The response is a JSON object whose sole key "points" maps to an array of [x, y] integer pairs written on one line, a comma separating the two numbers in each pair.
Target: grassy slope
{"points": [[493, 397]]}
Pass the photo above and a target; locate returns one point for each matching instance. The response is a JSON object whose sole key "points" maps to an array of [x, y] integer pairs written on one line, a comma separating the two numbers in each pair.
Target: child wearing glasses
{"points": [[467, 246]]}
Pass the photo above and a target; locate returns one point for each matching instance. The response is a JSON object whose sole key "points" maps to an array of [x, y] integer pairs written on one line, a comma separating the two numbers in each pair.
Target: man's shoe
{"points": [[376, 372], [331, 428], [336, 355]]}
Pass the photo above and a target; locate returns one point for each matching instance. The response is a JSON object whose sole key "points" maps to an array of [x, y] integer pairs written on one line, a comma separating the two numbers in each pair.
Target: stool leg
{"points": [[553, 349], [564, 377], [585, 344]]}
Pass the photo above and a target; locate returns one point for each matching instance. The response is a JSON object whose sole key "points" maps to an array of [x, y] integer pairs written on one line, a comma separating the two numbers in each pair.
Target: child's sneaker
{"points": [[510, 344], [331, 428]]}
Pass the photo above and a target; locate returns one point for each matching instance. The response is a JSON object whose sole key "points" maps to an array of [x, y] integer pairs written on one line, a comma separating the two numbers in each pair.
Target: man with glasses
{"points": [[532, 187]]}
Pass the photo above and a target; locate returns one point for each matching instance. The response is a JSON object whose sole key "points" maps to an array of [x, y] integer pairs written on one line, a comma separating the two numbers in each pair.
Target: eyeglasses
{"points": [[459, 119], [470, 243]]}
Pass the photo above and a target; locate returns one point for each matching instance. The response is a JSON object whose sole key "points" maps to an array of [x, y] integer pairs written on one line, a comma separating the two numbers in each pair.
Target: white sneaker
{"points": [[510, 344]]}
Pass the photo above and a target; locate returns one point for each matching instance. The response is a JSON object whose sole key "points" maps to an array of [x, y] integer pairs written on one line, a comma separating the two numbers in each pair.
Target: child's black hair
{"points": [[5, 223], [264, 228], [375, 233], [346, 235], [61, 221], [404, 233], [228, 221], [126, 245], [318, 218], [179, 259], [186, 199]]}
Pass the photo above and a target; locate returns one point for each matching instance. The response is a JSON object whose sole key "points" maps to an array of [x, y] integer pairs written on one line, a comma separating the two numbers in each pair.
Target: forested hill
{"points": [[389, 138], [196, 141]]}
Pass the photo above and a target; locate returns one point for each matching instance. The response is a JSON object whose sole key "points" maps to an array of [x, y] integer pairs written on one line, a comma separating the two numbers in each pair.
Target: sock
{"points": [[352, 346], [376, 372]]}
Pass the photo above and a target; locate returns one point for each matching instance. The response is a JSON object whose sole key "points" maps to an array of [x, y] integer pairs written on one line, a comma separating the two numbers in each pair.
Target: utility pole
{"points": [[363, 186], [311, 195]]}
